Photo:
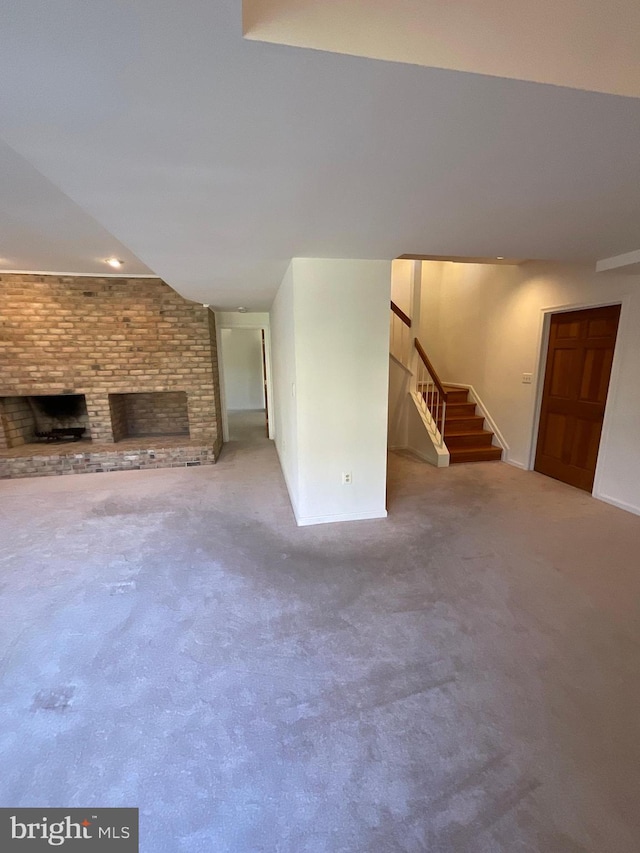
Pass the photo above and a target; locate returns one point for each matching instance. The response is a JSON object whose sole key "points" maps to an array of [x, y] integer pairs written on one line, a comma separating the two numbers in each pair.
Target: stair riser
{"points": [[480, 441], [463, 425], [458, 410], [453, 411], [456, 397], [487, 454]]}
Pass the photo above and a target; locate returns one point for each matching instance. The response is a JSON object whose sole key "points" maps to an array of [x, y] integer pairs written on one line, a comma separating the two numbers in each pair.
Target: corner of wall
{"points": [[217, 397]]}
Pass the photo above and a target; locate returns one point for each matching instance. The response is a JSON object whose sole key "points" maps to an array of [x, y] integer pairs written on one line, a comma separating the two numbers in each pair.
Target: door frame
{"points": [[233, 320], [541, 362]]}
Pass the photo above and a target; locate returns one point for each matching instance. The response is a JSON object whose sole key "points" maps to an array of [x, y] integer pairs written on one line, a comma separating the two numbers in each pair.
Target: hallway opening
{"points": [[244, 363]]}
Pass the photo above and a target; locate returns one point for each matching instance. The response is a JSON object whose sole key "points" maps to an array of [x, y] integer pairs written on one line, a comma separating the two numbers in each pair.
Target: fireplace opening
{"points": [[47, 417], [159, 413]]}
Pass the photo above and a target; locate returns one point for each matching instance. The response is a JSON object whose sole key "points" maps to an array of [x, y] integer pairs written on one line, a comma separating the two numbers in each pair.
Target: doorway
{"points": [[576, 382], [244, 380]]}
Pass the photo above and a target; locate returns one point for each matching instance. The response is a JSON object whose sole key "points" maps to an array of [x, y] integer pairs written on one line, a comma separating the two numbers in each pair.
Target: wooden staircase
{"points": [[463, 430], [464, 435]]}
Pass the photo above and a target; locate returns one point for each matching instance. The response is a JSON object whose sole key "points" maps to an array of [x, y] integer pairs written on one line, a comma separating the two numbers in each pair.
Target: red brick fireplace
{"points": [[128, 360]]}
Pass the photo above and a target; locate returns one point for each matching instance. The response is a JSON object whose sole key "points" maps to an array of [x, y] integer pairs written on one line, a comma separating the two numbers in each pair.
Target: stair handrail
{"points": [[430, 393], [400, 313], [432, 371], [400, 342]]}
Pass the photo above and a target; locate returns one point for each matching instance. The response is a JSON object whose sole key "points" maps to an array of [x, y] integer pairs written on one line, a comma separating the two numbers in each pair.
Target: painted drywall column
{"points": [[242, 359], [283, 415], [483, 325], [330, 328], [342, 363]]}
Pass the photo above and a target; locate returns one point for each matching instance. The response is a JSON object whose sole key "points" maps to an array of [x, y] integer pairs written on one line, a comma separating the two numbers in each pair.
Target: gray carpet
{"points": [[464, 676]]}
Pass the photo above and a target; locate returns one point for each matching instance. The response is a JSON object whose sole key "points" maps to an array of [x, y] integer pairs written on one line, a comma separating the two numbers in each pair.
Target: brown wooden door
{"points": [[576, 382]]}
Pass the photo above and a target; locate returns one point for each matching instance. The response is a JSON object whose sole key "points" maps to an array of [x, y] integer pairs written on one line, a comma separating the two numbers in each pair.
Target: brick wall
{"points": [[118, 416], [17, 422], [101, 337]]}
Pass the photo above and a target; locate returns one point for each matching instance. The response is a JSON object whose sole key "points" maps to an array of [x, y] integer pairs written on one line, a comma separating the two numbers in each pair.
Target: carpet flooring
{"points": [[462, 676]]}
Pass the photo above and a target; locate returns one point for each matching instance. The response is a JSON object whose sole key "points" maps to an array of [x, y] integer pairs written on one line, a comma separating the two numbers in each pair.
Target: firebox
{"points": [[51, 417], [158, 413]]}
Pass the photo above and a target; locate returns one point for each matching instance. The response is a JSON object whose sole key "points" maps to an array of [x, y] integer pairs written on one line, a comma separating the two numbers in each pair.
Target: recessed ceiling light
{"points": [[114, 262], [242, 309]]}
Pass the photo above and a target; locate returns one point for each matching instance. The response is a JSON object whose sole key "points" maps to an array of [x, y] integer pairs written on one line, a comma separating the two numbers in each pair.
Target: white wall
{"points": [[332, 316], [399, 387], [401, 284], [242, 365], [482, 325], [283, 414]]}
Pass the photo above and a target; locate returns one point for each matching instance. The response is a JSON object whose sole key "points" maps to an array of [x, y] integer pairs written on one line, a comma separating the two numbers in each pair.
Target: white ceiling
{"points": [[216, 159], [42, 230], [586, 44]]}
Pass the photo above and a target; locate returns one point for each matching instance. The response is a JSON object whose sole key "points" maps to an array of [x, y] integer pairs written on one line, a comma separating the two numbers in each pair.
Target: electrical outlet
{"points": [[346, 478], [527, 378]]}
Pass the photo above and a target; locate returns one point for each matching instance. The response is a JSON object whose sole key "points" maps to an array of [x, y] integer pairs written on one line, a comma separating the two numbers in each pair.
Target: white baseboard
{"points": [[617, 503], [515, 464], [346, 516]]}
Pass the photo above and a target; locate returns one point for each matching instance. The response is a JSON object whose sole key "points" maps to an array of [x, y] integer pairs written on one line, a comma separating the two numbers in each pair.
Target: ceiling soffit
{"points": [[582, 44]]}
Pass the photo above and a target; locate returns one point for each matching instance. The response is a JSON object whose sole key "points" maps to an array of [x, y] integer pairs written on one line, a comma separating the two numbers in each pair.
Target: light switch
{"points": [[527, 378]]}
